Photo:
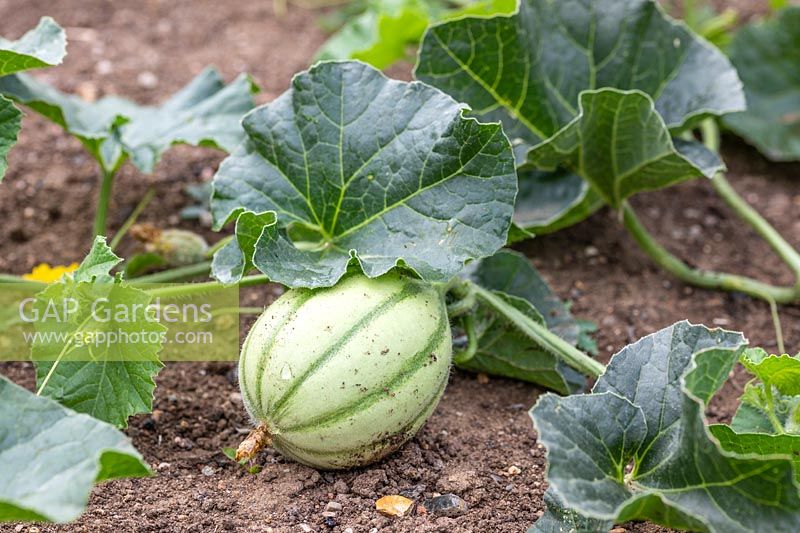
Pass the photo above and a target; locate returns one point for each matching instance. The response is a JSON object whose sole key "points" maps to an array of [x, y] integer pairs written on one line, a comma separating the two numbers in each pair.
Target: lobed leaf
{"points": [[109, 381], [43, 46], [766, 54], [204, 113], [51, 456], [638, 446], [530, 70], [357, 167], [619, 144]]}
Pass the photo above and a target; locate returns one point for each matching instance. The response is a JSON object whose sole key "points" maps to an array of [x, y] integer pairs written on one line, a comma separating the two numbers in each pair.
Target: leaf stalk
{"points": [[787, 252], [103, 201], [703, 278], [535, 331]]}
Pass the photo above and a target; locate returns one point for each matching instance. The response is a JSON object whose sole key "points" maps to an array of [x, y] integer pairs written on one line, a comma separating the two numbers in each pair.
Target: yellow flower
{"points": [[47, 274]]}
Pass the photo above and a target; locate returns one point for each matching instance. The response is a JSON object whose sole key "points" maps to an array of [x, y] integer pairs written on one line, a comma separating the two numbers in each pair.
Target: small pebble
{"points": [[87, 91], [446, 505], [306, 528], [393, 506], [163, 466], [104, 67], [333, 506], [235, 397], [618, 530], [147, 79], [208, 471], [328, 514], [513, 470]]}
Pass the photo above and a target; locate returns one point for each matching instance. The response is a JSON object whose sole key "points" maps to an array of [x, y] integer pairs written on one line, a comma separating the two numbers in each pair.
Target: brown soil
{"points": [[480, 429]]}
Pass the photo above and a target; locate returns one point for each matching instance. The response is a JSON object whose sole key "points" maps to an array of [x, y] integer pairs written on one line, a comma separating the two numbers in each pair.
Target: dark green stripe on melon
{"points": [[369, 317]]}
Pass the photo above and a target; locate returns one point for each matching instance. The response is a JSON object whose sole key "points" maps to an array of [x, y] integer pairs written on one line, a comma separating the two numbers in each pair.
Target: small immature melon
{"points": [[176, 246], [341, 377]]}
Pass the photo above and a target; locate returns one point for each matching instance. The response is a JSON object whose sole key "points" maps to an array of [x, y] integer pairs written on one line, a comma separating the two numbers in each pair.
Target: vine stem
{"points": [[703, 278], [786, 251], [533, 330], [103, 201], [770, 410], [175, 274], [776, 322], [20, 281], [189, 289], [132, 219]]}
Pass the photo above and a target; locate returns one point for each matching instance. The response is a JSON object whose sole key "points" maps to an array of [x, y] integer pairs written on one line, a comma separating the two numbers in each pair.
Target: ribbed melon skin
{"points": [[345, 375]]}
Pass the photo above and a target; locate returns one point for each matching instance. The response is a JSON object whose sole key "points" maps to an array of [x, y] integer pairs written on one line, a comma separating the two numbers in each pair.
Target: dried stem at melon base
{"points": [[257, 440]]}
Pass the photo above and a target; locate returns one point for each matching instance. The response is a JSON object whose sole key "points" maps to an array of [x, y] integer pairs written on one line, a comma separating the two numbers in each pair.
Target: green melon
{"points": [[341, 377]]}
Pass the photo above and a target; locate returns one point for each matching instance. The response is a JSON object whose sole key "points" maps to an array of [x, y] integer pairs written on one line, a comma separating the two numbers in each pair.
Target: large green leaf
{"points": [[767, 55], [619, 144], [638, 446], [204, 113], [359, 167], [110, 380], [530, 69], [51, 456], [503, 350], [384, 31], [10, 121], [43, 46]]}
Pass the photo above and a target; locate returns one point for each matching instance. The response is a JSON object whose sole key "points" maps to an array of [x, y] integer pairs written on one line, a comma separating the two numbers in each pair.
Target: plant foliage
{"points": [[206, 112], [385, 29], [44, 46], [638, 446], [766, 54], [51, 456], [351, 166], [580, 82], [767, 421], [499, 348], [107, 381]]}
